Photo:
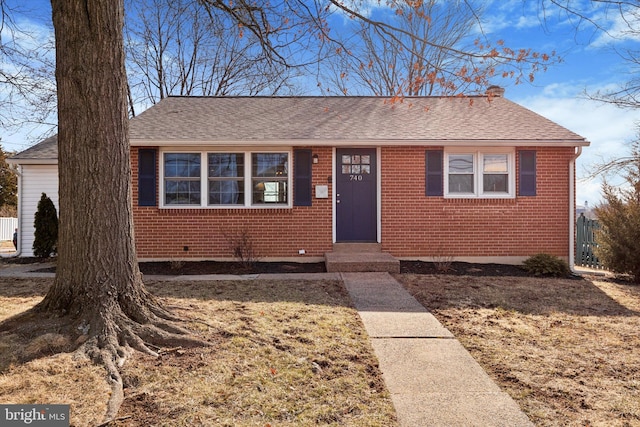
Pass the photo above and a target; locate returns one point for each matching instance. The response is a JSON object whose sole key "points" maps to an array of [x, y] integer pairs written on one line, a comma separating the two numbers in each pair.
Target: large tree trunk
{"points": [[97, 259], [98, 288]]}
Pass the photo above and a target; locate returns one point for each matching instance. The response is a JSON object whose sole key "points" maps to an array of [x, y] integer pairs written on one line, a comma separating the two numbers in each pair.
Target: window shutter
{"points": [[434, 173], [527, 176], [302, 161], [146, 177]]}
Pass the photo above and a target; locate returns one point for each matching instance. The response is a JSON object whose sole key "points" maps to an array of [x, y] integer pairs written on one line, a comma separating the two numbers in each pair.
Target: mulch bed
{"points": [[461, 269], [218, 267], [410, 267], [173, 268]]}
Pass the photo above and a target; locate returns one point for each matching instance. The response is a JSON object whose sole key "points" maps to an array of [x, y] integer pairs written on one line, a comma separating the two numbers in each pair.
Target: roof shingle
{"points": [[343, 119], [330, 120]]}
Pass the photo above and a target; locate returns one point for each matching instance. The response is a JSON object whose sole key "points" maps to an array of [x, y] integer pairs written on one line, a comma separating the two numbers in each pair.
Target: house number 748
{"points": [[355, 177]]}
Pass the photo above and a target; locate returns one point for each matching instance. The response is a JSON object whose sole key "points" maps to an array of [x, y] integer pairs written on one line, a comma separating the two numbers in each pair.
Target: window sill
{"points": [[225, 207], [481, 200], [473, 196]]}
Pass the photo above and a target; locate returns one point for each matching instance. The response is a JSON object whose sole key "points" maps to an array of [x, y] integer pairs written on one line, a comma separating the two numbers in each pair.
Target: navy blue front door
{"points": [[356, 206]]}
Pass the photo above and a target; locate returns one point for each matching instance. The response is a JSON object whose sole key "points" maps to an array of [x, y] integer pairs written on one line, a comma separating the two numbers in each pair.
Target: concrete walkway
{"points": [[432, 379]]}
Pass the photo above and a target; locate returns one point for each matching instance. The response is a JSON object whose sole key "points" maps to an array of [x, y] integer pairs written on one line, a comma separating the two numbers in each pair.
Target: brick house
{"points": [[478, 179]]}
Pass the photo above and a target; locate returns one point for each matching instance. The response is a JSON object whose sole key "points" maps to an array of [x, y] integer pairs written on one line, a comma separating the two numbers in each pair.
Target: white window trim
{"points": [[204, 179], [478, 153]]}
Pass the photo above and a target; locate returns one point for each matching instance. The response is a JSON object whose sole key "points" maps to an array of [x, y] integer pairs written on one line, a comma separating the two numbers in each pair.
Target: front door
{"points": [[356, 200]]}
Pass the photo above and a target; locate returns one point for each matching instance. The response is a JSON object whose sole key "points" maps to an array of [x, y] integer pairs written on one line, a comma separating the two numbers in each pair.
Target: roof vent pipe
{"points": [[495, 91]]}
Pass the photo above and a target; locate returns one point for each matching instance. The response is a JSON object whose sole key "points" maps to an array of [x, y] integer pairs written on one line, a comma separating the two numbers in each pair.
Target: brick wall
{"points": [[413, 225], [275, 233]]}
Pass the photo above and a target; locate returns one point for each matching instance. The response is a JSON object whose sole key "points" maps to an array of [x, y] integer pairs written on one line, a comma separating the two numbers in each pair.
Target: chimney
{"points": [[494, 90]]}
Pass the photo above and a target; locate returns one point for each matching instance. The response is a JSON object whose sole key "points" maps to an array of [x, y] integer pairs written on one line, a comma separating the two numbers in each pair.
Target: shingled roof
{"points": [[44, 152], [352, 119], [478, 120]]}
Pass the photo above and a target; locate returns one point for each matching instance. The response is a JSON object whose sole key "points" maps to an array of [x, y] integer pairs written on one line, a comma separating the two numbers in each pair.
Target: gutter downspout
{"points": [[19, 248], [572, 209]]}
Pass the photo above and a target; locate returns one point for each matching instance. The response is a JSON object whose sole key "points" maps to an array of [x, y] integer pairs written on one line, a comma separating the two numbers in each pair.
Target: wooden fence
{"points": [[586, 243]]}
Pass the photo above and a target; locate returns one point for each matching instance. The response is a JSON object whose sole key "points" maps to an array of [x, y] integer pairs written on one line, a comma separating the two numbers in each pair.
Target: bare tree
{"points": [[433, 61], [27, 84], [380, 65], [178, 48]]}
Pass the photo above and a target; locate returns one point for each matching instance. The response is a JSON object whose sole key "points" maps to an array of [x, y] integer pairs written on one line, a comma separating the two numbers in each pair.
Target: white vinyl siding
{"points": [[36, 179]]}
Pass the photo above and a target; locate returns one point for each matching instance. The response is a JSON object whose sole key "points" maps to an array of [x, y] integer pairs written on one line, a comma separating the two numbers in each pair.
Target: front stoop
{"points": [[347, 261]]}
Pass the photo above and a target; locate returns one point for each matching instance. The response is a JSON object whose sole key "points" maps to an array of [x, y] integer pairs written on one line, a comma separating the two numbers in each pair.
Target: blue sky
{"points": [[588, 65]]}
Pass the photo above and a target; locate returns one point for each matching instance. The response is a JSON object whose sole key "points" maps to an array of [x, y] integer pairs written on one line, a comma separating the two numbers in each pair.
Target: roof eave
{"points": [[25, 161], [368, 142]]}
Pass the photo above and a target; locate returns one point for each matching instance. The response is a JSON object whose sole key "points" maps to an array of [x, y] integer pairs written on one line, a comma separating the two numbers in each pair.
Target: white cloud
{"points": [[363, 7], [608, 128], [529, 21], [618, 28]]}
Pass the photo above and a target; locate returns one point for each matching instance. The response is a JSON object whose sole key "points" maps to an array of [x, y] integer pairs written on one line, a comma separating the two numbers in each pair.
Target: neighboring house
{"points": [[477, 178], [37, 174]]}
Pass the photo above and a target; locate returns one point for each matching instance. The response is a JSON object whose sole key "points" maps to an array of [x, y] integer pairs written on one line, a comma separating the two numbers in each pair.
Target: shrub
{"points": [[443, 263], [46, 228], [547, 265], [619, 234], [242, 246]]}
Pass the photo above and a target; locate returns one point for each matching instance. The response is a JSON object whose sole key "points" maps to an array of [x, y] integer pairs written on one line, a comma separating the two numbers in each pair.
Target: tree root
{"points": [[113, 348], [108, 339]]}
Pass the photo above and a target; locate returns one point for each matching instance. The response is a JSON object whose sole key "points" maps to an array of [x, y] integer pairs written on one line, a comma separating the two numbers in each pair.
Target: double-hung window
{"points": [[495, 173], [223, 179], [479, 174], [270, 176], [462, 174], [182, 179], [226, 178]]}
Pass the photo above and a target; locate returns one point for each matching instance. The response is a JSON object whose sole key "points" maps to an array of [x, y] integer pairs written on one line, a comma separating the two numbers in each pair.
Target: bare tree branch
{"points": [[306, 21], [27, 84], [179, 48]]}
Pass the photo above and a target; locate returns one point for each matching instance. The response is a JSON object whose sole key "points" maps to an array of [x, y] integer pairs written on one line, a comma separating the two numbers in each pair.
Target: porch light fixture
{"points": [[315, 159]]}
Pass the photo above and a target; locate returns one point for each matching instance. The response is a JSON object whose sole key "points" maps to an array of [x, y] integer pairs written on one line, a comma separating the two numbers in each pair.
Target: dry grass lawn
{"points": [[294, 353], [568, 351], [286, 353]]}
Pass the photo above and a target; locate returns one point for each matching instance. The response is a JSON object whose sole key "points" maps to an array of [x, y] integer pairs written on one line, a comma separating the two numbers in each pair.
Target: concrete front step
{"points": [[357, 247], [361, 262]]}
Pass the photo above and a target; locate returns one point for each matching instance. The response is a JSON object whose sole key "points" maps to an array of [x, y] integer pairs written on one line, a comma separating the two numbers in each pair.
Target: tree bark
{"points": [[98, 291], [97, 257]]}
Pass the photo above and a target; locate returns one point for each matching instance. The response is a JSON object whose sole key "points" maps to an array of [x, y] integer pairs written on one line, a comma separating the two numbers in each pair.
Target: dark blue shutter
{"points": [[146, 177], [302, 161], [434, 173], [527, 176]]}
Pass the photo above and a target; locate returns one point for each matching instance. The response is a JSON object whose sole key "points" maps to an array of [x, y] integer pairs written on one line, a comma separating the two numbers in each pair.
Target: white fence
{"points": [[7, 227]]}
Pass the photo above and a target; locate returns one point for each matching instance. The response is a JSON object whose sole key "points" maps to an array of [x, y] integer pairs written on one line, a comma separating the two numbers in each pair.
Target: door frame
{"points": [[334, 160]]}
